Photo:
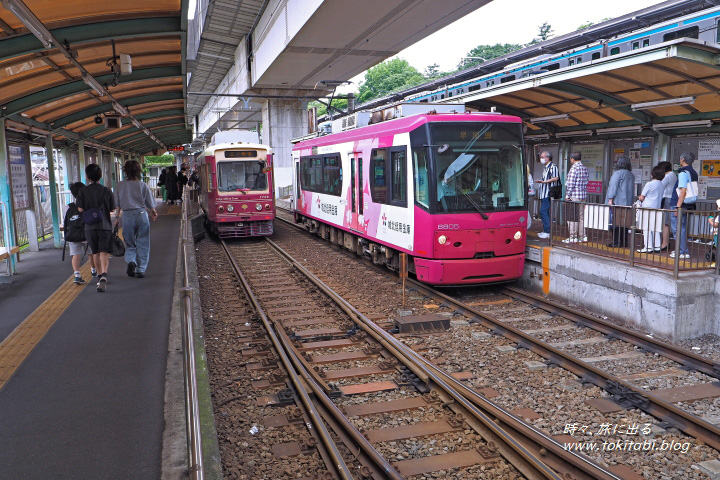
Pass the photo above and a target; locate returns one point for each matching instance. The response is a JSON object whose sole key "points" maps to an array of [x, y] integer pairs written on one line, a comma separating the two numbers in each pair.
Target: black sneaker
{"points": [[139, 274], [131, 269], [79, 281], [102, 284]]}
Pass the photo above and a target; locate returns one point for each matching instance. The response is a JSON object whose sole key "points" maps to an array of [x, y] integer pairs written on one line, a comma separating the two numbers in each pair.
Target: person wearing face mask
{"points": [[550, 178]]}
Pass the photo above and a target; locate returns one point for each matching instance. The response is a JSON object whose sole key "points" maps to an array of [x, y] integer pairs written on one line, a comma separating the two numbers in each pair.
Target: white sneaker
{"points": [[645, 250], [543, 235], [684, 255], [571, 240], [584, 239]]}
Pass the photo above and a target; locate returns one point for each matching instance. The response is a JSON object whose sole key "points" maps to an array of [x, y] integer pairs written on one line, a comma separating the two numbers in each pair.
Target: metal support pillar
{"points": [[102, 166], [81, 161], [9, 222], [53, 192], [662, 148], [66, 166]]}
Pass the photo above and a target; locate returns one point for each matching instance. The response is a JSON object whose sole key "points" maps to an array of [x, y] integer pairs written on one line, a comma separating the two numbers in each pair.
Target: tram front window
{"points": [[243, 176], [478, 167]]}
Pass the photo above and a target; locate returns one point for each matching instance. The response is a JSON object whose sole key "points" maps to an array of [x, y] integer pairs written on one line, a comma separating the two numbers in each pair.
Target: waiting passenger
{"points": [[172, 185], [576, 192], [669, 184], [621, 192], [550, 179], [681, 199], [651, 197], [74, 229], [134, 199], [161, 184], [97, 200]]}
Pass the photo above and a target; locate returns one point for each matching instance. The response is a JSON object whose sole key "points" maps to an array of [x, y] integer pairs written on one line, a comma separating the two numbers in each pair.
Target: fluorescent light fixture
{"points": [[94, 84], [538, 137], [691, 123], [25, 15], [120, 109], [576, 133], [664, 103], [633, 128], [549, 118]]}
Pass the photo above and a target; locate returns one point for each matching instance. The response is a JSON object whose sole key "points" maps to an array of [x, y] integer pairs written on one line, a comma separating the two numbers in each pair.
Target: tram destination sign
{"points": [[176, 148]]}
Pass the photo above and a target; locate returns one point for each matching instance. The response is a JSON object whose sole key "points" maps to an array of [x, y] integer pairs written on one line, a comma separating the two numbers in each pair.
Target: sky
{"points": [[498, 22]]}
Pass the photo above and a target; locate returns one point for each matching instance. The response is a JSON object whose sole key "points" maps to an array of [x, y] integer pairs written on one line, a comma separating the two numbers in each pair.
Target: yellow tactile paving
{"points": [[18, 345]]}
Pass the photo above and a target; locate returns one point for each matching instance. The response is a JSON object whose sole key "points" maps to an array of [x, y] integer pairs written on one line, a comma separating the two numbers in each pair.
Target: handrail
{"points": [[192, 407]]}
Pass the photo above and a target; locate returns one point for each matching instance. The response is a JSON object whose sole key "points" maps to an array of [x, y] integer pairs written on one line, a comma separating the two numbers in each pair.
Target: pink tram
{"points": [[236, 189], [449, 190]]}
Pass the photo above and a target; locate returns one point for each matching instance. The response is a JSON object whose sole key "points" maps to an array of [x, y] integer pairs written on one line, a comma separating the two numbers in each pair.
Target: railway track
{"points": [[534, 323], [362, 377]]}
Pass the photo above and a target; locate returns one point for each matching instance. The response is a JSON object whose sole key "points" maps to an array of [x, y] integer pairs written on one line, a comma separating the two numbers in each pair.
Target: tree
{"points": [[433, 71], [388, 77], [590, 24], [483, 53], [545, 31]]}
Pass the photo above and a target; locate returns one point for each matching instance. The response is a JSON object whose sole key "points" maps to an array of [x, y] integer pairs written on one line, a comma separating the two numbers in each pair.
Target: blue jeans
{"points": [[683, 230], [545, 214], [136, 232]]}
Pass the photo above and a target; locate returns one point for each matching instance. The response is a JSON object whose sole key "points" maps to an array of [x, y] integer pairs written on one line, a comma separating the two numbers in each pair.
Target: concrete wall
{"points": [[640, 298], [283, 120]]}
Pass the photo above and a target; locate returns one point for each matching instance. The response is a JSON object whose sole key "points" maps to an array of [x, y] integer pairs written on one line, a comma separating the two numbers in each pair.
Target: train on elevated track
{"points": [[447, 189]]}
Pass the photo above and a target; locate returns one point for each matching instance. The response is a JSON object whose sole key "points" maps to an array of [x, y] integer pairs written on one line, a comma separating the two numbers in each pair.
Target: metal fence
{"points": [[192, 199], [640, 236], [284, 192]]}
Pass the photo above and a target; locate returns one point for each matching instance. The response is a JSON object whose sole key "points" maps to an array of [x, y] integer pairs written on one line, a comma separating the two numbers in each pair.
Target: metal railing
{"points": [[640, 236], [192, 407], [284, 192], [192, 195], [5, 237]]}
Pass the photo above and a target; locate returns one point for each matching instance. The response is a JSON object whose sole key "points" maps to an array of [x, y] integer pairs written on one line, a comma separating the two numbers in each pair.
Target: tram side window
{"points": [[311, 173], [422, 189], [378, 175], [332, 175], [399, 177]]}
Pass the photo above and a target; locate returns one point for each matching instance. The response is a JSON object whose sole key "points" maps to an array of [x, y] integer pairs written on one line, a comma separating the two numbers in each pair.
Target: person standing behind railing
{"points": [[682, 199], [576, 192], [550, 178], [668, 182], [651, 197], [620, 193]]}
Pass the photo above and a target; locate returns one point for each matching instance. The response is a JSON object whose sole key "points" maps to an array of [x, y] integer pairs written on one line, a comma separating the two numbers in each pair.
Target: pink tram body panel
{"points": [[449, 190], [236, 189]]}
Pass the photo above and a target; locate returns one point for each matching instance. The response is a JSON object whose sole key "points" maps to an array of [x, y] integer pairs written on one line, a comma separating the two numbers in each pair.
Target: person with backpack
{"points": [[95, 202], [74, 229], [684, 196], [134, 198]]}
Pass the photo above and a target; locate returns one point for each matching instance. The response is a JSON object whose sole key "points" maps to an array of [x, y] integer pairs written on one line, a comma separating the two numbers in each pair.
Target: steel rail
{"points": [[636, 397], [196, 469], [484, 410], [702, 364], [315, 419]]}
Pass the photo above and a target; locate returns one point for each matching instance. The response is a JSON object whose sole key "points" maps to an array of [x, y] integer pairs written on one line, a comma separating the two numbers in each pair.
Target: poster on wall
{"points": [[592, 158], [709, 149], [18, 175], [635, 158], [710, 168], [702, 187]]}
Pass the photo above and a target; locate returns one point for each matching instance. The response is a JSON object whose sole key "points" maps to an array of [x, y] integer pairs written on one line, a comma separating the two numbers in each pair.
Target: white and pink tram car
{"points": [[236, 189], [447, 189]]}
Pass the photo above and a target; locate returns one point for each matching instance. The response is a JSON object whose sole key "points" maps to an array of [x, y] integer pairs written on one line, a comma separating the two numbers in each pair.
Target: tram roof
{"points": [[605, 93], [42, 89]]}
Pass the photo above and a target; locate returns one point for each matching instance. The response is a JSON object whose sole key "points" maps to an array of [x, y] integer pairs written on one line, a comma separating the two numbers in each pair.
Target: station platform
{"points": [[83, 373], [645, 297]]}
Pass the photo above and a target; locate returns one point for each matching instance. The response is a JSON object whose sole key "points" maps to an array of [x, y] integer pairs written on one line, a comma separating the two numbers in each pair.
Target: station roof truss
{"points": [[42, 88], [680, 80]]}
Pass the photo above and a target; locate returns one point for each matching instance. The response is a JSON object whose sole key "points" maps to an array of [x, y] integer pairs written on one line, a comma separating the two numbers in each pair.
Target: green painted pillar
{"points": [[9, 236], [53, 192], [81, 161]]}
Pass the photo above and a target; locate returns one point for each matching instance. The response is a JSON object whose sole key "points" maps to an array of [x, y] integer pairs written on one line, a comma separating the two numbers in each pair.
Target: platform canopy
{"points": [[672, 88], [56, 70]]}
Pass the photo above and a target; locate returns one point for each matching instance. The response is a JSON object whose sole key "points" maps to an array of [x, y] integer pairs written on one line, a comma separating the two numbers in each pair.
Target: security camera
{"points": [[98, 119]]}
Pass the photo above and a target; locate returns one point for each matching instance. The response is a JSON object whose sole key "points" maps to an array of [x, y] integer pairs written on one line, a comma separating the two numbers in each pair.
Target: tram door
{"points": [[356, 197]]}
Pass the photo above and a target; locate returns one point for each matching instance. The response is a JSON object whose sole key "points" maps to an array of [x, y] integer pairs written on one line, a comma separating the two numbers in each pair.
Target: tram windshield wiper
{"points": [[472, 202]]}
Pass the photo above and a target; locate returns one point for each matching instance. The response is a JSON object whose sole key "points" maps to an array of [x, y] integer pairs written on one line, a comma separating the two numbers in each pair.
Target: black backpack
{"points": [[74, 225]]}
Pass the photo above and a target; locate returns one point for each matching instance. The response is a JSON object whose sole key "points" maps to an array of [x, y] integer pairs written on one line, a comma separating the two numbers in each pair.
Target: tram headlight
{"points": [[258, 206], [518, 235], [267, 206], [230, 208], [221, 208], [442, 239]]}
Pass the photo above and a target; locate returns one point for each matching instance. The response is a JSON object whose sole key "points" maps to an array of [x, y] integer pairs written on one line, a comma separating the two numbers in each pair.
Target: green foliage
{"points": [[159, 160], [433, 71], [388, 77], [590, 24], [339, 103], [487, 52]]}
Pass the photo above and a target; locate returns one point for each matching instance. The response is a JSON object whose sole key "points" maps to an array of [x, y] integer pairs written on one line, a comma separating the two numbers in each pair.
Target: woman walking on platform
{"points": [[134, 198]]}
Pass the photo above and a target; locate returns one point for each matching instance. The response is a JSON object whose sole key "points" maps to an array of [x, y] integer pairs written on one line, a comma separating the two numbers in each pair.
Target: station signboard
{"points": [[176, 148]]}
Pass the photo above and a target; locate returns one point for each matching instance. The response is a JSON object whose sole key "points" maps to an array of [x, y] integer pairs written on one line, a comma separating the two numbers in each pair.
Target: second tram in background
{"points": [[236, 189], [447, 189]]}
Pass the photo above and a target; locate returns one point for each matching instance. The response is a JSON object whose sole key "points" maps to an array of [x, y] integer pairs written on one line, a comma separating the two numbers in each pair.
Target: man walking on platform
{"points": [[576, 191], [550, 178]]}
